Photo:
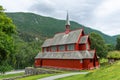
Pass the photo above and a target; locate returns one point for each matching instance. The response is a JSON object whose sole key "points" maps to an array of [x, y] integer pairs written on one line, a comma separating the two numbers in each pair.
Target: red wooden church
{"points": [[68, 50]]}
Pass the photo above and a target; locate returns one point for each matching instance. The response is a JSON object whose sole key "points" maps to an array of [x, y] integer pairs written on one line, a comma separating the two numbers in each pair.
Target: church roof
{"points": [[66, 55], [63, 38], [84, 39], [47, 42]]}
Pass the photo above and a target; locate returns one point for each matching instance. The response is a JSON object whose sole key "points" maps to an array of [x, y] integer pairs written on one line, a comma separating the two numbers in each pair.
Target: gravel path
{"points": [[14, 72], [62, 75]]}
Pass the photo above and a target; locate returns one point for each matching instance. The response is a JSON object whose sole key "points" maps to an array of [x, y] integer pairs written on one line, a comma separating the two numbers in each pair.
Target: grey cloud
{"points": [[42, 8], [81, 11]]}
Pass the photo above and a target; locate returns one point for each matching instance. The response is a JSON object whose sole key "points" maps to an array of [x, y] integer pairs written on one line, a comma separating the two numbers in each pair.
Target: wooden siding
{"points": [[38, 63], [88, 64], [58, 63], [82, 47]]}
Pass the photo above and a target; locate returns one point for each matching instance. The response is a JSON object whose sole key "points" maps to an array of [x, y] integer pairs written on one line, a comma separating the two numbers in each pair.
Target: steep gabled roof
{"points": [[47, 42], [66, 55], [84, 39], [63, 38]]}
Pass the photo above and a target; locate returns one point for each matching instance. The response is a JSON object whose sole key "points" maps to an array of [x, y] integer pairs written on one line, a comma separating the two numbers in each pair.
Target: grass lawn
{"points": [[109, 72], [10, 75]]}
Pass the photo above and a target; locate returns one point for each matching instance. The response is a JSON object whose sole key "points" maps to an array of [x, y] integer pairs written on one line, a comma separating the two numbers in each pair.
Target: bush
{"points": [[114, 54], [4, 67]]}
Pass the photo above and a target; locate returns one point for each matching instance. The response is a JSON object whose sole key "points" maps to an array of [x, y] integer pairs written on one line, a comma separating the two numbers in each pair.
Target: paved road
{"points": [[14, 72], [62, 75]]}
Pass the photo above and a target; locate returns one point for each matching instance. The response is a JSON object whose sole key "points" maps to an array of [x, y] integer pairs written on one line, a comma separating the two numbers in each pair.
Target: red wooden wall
{"points": [[37, 63], [66, 63], [58, 63], [88, 63]]}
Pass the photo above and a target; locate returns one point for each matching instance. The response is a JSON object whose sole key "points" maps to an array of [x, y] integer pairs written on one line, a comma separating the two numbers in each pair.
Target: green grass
{"points": [[109, 72], [35, 77], [10, 75]]}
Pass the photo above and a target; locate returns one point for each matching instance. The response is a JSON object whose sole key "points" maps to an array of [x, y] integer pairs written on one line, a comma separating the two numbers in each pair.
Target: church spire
{"points": [[67, 19], [67, 24]]}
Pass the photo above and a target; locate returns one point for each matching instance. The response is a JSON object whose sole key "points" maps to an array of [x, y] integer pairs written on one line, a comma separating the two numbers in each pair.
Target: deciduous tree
{"points": [[98, 43], [7, 28]]}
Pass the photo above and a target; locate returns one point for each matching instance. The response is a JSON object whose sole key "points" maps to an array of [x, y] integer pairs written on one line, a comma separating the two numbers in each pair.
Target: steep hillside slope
{"points": [[40, 26]]}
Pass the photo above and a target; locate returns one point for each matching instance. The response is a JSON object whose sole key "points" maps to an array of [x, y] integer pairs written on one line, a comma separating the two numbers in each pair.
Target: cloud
{"points": [[106, 17], [43, 6], [107, 8], [16, 5]]}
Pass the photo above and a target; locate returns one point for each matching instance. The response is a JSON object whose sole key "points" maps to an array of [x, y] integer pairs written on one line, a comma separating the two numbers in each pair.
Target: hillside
{"points": [[110, 72], [33, 25]]}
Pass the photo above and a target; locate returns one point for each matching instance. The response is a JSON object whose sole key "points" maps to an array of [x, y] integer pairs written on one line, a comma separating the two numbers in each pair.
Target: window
{"points": [[45, 49], [62, 48], [70, 47], [53, 48], [87, 46]]}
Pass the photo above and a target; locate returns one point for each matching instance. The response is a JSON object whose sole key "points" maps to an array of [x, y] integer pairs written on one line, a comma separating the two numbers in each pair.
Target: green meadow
{"points": [[108, 72]]}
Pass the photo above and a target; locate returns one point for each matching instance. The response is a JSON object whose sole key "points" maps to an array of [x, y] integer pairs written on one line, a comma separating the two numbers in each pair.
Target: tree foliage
{"points": [[110, 47], [98, 43], [118, 43], [114, 54], [25, 52], [7, 28]]}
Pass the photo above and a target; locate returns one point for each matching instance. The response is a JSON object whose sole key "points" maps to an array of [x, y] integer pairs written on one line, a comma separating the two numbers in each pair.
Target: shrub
{"points": [[4, 67], [114, 54]]}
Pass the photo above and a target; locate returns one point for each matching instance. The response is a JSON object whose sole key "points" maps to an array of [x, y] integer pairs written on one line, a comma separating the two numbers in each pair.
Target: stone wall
{"points": [[112, 60], [35, 71]]}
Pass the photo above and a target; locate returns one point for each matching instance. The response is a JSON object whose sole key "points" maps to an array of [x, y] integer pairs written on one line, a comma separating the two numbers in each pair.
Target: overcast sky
{"points": [[103, 15]]}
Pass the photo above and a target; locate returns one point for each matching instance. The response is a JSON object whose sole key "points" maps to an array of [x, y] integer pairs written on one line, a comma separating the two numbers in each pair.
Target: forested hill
{"points": [[34, 25]]}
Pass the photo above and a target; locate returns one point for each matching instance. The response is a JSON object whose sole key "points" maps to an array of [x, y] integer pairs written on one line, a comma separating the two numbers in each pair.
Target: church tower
{"points": [[67, 24]]}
